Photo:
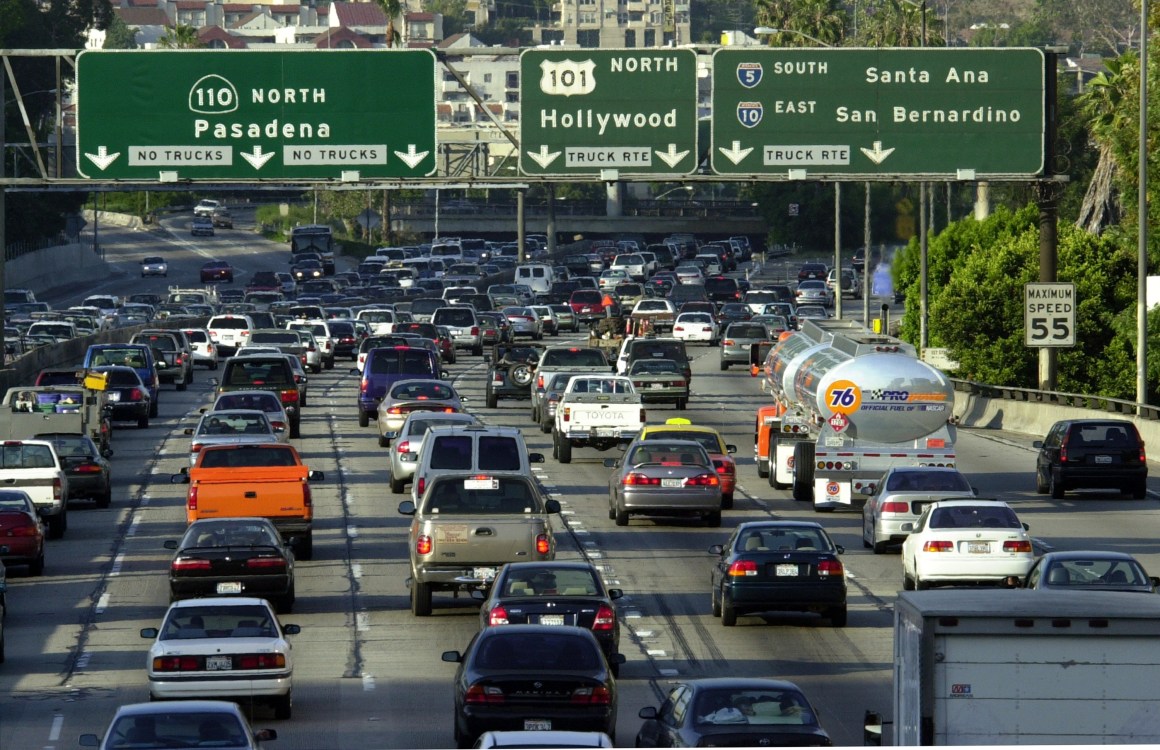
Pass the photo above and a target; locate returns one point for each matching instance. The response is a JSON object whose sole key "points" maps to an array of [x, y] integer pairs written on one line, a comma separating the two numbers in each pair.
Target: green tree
{"points": [[824, 20], [899, 23], [392, 9], [120, 35], [179, 37]]}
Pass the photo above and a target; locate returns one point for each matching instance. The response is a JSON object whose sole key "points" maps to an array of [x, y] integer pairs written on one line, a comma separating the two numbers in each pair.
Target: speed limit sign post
{"points": [[1049, 314]]}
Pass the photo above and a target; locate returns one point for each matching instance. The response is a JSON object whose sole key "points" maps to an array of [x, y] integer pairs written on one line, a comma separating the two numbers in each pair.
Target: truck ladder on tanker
{"points": [[852, 404]]}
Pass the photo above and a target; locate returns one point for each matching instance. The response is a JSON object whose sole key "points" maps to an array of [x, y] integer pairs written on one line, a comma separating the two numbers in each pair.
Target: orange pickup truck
{"points": [[268, 480]]}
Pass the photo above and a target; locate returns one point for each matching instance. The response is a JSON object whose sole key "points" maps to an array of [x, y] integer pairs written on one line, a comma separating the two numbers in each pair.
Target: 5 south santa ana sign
{"points": [[878, 112], [255, 114]]}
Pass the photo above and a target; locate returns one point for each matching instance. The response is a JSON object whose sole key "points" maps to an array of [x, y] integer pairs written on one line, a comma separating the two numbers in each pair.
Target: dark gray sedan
{"points": [[664, 478]]}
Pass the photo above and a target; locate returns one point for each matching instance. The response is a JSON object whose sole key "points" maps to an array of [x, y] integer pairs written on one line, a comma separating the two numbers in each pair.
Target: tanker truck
{"points": [[852, 404]]}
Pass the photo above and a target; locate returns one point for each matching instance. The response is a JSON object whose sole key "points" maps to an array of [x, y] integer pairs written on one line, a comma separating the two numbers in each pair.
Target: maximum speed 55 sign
{"points": [[1049, 314]]}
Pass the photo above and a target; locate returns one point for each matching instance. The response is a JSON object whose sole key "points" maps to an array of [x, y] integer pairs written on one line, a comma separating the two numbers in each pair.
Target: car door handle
{"points": [[484, 531]]}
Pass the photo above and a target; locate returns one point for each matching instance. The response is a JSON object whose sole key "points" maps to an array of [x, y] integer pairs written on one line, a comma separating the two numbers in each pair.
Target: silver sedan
{"points": [[408, 396], [664, 478], [232, 427]]}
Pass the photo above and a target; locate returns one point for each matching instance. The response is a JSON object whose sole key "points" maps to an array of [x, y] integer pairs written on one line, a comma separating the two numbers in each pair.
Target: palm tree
{"points": [[392, 9], [179, 37], [823, 19], [1108, 102]]}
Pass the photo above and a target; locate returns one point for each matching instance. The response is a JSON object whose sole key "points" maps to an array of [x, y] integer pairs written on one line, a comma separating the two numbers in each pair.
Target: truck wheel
{"points": [[142, 422], [564, 451], [763, 470], [713, 520], [545, 426], [57, 525], [363, 419], [492, 400], [397, 485], [305, 548], [1056, 486], [283, 706], [837, 617], [420, 599], [728, 613], [803, 471], [727, 501], [521, 375]]}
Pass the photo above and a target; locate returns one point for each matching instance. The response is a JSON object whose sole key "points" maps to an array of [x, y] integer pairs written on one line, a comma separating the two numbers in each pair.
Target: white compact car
{"points": [[227, 648], [695, 326], [965, 542]]}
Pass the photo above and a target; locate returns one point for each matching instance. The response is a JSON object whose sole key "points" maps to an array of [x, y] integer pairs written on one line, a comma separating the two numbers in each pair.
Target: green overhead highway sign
{"points": [[959, 113], [583, 111], [256, 114]]}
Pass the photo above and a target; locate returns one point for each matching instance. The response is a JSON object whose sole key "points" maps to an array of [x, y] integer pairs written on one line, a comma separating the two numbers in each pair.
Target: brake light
{"points": [[260, 661], [593, 696], [87, 468], [265, 562], [290, 396], [1017, 545], [397, 410], [724, 467], [135, 394], [605, 618], [176, 664], [191, 501], [728, 342], [895, 507], [497, 616], [827, 568], [568, 413], [540, 382], [27, 529], [483, 694], [937, 546], [188, 564], [423, 545], [742, 568], [543, 545], [420, 486], [403, 447], [703, 480], [276, 425], [639, 480], [56, 488], [307, 496]]}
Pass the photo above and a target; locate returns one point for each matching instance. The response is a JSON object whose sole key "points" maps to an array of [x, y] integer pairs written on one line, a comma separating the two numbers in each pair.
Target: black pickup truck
{"points": [[510, 371]]}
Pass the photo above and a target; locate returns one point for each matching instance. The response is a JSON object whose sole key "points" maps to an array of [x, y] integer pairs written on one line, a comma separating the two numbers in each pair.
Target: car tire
{"points": [[142, 422], [284, 706], [728, 613], [302, 400], [285, 604], [213, 365], [713, 520], [682, 403], [329, 364], [564, 451], [611, 512], [462, 741], [295, 430], [316, 368], [837, 616], [545, 426], [907, 582], [492, 400], [1041, 487], [384, 442], [153, 408], [477, 351], [621, 517], [364, 419], [919, 584], [57, 525], [535, 414], [36, 567], [724, 365], [420, 599], [715, 602], [397, 485], [727, 501], [1140, 491], [1055, 486], [305, 548], [105, 498], [879, 547]]}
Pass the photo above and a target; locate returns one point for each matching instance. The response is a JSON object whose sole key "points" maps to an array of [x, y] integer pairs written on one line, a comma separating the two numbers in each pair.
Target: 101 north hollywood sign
{"points": [[255, 114]]}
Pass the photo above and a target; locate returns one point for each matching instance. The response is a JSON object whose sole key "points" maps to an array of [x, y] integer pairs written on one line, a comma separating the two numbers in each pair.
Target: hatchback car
{"points": [[228, 648], [1087, 570], [216, 270], [965, 542], [732, 712], [899, 498], [778, 566], [1091, 453], [532, 677], [21, 531], [190, 723], [405, 397], [555, 593], [664, 478], [232, 557]]}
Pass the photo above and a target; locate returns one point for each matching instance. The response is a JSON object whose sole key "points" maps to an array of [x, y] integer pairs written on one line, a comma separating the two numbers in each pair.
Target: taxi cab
{"points": [[679, 428]]}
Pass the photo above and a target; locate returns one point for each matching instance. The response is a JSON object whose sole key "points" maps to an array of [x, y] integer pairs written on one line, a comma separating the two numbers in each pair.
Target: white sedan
{"points": [[695, 326], [965, 541], [228, 648]]}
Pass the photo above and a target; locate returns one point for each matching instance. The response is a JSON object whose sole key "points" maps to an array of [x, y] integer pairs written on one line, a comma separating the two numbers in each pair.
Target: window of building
{"points": [[588, 38], [512, 79], [487, 77], [650, 37], [630, 39], [512, 97], [588, 17]]}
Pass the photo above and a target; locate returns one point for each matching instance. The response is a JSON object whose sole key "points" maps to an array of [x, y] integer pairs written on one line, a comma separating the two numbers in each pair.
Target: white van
{"points": [[538, 277]]}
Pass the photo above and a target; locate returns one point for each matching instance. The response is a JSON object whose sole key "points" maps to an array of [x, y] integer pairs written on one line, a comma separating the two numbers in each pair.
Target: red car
{"points": [[446, 344], [217, 270], [21, 533]]}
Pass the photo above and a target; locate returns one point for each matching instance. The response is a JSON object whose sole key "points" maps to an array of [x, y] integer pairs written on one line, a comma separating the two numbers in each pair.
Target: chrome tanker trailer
{"points": [[854, 403]]}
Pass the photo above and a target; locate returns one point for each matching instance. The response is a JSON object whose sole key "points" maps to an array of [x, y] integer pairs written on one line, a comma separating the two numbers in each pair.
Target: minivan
{"points": [[386, 365], [538, 276], [472, 449]]}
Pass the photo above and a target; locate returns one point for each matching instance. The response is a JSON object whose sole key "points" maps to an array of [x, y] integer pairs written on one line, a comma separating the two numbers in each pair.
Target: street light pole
{"points": [[1142, 215]]}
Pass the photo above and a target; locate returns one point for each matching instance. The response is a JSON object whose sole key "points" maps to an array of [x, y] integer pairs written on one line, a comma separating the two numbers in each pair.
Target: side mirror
{"points": [[265, 735], [611, 463], [730, 448], [291, 629], [872, 729], [717, 549], [182, 478], [148, 632], [551, 506], [187, 431], [444, 374], [906, 527], [648, 713], [487, 358], [107, 453], [452, 656], [1026, 526], [315, 475], [840, 548], [407, 507], [615, 593], [355, 371], [214, 382], [535, 458], [170, 544], [464, 399], [1037, 444], [1010, 582], [89, 740]]}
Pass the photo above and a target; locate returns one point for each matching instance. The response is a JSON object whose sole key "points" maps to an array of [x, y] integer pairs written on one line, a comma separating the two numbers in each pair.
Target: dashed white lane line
{"points": [[352, 532], [368, 683], [132, 530], [362, 622], [356, 570], [57, 725], [102, 603], [117, 562]]}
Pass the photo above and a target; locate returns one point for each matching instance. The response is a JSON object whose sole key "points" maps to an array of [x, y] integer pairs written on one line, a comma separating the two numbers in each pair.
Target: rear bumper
{"points": [[787, 597]]}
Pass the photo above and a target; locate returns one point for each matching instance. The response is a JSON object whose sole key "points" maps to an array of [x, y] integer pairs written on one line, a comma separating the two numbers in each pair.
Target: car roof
{"points": [[749, 525], [180, 706], [555, 564], [708, 683], [225, 601], [967, 501], [1087, 555]]}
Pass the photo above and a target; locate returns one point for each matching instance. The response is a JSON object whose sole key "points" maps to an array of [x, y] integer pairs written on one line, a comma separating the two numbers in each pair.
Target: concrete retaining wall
{"points": [[1036, 417]]}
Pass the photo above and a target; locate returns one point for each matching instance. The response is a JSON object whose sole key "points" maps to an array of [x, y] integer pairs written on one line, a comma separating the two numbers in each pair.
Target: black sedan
{"points": [[86, 466], [307, 269], [232, 557], [1086, 570], [216, 270], [732, 712], [778, 566], [555, 593], [532, 677], [129, 399]]}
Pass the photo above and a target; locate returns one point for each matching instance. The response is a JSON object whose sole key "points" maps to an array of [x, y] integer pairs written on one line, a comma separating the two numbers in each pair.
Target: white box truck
{"points": [[1023, 667]]}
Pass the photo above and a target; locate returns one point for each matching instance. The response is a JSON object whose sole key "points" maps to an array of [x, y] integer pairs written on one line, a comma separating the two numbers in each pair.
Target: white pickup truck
{"points": [[597, 411]]}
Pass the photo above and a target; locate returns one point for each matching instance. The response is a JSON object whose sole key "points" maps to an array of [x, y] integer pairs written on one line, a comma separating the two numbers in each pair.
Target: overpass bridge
{"points": [[587, 218]]}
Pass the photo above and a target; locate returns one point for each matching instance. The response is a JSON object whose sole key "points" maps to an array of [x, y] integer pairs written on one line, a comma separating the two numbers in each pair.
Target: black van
{"points": [[648, 347]]}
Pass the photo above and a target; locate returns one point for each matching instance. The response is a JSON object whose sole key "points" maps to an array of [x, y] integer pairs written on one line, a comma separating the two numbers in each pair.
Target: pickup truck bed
{"points": [[597, 411]]}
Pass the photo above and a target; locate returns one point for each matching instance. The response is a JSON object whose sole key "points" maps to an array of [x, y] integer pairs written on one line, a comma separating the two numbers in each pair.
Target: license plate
{"points": [[484, 574], [604, 432], [551, 619], [656, 385], [537, 725], [786, 569], [113, 396], [229, 587], [978, 548], [672, 483], [1103, 459], [218, 663]]}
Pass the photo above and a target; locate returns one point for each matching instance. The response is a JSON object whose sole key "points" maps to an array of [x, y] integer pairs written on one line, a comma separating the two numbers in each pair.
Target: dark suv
{"points": [[1091, 453], [173, 354], [511, 369], [263, 372]]}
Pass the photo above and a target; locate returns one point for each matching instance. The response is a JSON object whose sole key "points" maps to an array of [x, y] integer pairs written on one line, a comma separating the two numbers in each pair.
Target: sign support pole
{"points": [[867, 270], [521, 230], [838, 250], [3, 206], [1048, 218]]}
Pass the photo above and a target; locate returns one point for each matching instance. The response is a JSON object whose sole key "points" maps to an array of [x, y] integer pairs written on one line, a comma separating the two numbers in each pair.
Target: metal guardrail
{"points": [[1077, 400]]}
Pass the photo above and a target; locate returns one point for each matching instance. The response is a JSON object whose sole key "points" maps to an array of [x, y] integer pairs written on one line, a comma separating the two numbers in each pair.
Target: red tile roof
{"points": [[359, 14], [190, 4], [153, 16], [212, 33], [333, 38]]}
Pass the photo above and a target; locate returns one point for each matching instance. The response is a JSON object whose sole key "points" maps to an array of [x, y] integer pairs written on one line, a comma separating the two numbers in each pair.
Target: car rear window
{"points": [[673, 350], [401, 362], [259, 373], [24, 456], [539, 651], [481, 495], [575, 358], [452, 317], [1110, 435], [974, 517], [586, 296], [246, 456], [927, 481], [747, 332], [498, 453]]}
